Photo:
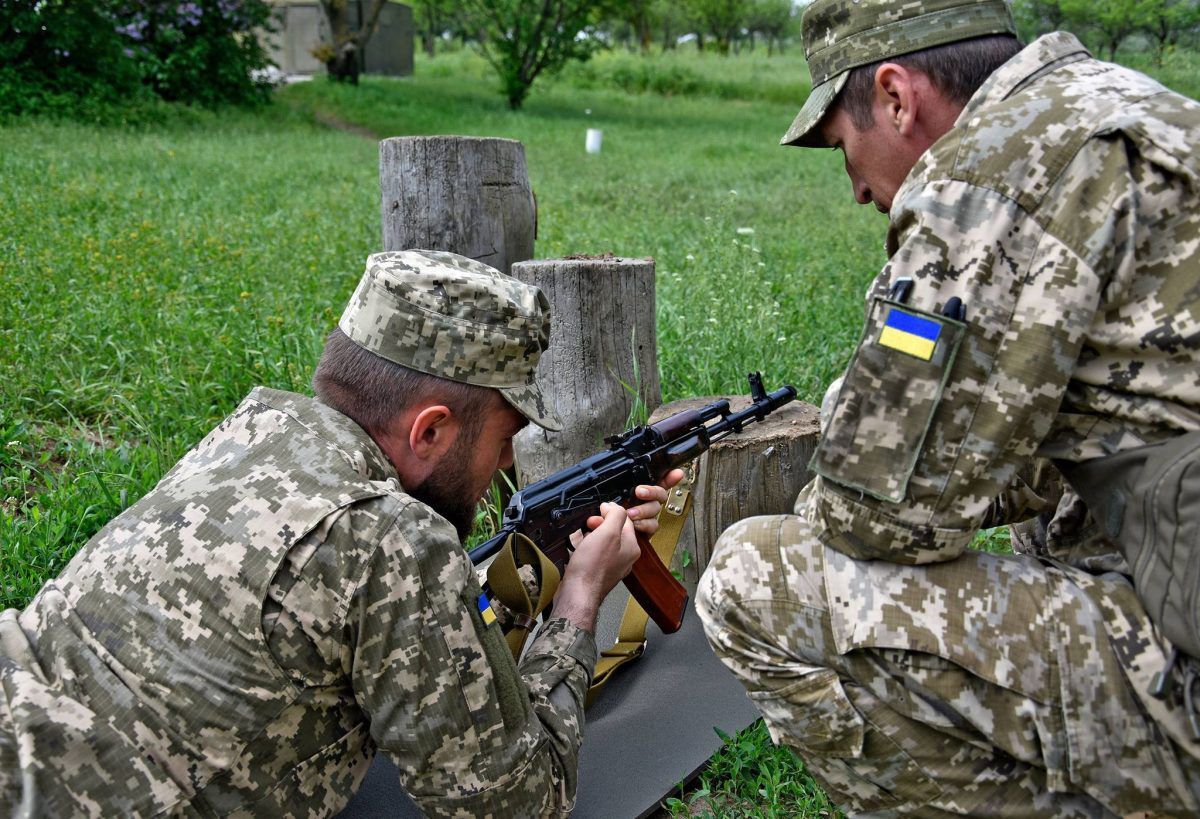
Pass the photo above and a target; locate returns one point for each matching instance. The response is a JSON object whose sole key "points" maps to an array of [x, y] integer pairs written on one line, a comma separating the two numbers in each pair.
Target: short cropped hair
{"points": [[372, 391], [956, 69]]}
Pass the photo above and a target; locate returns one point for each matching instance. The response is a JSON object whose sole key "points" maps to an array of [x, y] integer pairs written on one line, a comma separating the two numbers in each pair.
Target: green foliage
{"points": [[996, 541], [56, 55], [752, 777], [201, 51], [1107, 24], [76, 58], [755, 76], [523, 39], [722, 19]]}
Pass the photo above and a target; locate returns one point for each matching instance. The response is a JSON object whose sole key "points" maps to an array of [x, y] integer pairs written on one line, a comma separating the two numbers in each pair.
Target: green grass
{"points": [[752, 778]]}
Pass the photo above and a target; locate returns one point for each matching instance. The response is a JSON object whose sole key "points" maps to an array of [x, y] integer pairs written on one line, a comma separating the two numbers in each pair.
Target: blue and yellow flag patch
{"points": [[910, 333], [485, 610]]}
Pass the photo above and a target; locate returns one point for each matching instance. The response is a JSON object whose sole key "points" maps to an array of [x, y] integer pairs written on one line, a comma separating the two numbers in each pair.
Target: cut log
{"points": [[602, 358], [758, 471], [467, 195]]}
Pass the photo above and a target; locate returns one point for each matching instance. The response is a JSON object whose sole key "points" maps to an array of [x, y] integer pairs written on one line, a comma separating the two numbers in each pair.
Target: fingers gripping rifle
{"points": [[549, 511]]}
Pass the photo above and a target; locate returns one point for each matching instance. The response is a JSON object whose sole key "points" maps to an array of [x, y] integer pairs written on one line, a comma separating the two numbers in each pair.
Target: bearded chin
{"points": [[447, 493]]}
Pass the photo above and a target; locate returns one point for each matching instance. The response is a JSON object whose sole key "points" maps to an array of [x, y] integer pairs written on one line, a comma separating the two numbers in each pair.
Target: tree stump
{"points": [[758, 471], [466, 195], [602, 338]]}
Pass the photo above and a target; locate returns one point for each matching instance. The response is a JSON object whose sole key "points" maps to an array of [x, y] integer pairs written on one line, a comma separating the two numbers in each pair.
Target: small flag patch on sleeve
{"points": [[485, 610], [910, 333]]}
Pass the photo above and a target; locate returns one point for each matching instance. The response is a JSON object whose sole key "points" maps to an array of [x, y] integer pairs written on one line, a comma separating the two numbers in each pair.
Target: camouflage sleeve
{"points": [[470, 734], [937, 414]]}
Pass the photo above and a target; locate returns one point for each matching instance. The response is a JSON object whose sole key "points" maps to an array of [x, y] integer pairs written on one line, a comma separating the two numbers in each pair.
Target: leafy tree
{"points": [[523, 39], [349, 35], [672, 20], [1111, 20], [432, 18], [1037, 17], [771, 19], [640, 16], [723, 20], [1168, 20]]}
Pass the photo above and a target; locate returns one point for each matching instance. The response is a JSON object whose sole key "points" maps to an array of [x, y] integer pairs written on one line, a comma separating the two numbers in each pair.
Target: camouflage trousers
{"points": [[983, 686]]}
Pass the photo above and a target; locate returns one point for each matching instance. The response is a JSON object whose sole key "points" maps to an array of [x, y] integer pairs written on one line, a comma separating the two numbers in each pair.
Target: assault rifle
{"points": [[549, 511]]}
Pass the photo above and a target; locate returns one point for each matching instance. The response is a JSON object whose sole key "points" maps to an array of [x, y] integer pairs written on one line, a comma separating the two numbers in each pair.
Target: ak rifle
{"points": [[549, 511]]}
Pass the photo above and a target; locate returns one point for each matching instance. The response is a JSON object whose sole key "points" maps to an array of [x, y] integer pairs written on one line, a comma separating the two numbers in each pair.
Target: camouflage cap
{"points": [[840, 35], [456, 318]]}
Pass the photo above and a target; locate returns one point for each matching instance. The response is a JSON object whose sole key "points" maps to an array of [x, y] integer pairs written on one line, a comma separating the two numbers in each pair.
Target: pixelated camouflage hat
{"points": [[456, 318], [840, 35]]}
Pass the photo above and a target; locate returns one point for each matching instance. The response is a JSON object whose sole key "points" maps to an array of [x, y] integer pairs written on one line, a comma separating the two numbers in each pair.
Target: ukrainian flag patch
{"points": [[909, 333], [485, 610]]}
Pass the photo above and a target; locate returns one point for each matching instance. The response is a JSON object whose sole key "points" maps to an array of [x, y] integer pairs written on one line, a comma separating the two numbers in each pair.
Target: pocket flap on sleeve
{"points": [[887, 400]]}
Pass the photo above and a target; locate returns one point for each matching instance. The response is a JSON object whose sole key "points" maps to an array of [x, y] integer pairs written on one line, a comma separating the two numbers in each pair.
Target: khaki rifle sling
{"points": [[507, 587], [631, 636]]}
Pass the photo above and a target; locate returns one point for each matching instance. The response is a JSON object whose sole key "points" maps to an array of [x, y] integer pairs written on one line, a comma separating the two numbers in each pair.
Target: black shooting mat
{"points": [[649, 728]]}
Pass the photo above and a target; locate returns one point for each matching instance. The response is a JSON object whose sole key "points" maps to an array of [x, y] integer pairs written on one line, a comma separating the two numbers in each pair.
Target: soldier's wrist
{"points": [[578, 605]]}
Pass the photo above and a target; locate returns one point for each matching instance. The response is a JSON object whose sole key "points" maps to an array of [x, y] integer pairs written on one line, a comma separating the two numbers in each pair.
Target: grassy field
{"points": [[155, 273]]}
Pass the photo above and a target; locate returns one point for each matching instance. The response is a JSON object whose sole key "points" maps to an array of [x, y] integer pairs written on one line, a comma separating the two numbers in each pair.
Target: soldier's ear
{"points": [[433, 432], [896, 100]]}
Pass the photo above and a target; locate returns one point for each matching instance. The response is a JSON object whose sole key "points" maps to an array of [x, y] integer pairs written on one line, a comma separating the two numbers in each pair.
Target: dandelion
{"points": [[732, 192], [690, 257]]}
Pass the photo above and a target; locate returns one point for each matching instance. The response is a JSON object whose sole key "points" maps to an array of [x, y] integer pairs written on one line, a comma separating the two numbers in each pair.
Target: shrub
{"points": [[59, 52], [70, 57]]}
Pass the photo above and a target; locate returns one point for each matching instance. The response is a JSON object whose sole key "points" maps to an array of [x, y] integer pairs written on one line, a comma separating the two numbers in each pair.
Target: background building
{"points": [[301, 26]]}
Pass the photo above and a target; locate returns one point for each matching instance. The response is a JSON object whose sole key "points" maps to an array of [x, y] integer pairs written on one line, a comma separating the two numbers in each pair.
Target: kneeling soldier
{"points": [[1040, 299]]}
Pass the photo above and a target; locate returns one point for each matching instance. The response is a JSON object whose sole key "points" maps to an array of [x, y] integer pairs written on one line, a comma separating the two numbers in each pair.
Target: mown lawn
{"points": [[155, 273]]}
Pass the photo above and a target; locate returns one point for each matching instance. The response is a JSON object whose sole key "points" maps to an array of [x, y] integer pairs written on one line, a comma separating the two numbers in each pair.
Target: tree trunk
{"points": [[467, 195], [345, 65], [756, 472], [602, 334]]}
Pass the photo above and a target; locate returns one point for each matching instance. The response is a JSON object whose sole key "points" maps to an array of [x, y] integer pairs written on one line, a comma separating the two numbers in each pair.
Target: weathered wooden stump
{"points": [[467, 195], [756, 472], [603, 355]]}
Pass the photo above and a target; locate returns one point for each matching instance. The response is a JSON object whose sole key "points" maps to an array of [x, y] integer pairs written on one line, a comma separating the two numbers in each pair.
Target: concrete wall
{"points": [[301, 26]]}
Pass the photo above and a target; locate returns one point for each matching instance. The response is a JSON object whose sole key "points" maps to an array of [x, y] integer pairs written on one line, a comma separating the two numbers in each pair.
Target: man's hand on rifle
{"points": [[645, 514], [606, 554]]}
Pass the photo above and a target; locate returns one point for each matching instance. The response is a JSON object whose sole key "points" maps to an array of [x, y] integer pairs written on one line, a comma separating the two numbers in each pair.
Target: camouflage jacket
{"points": [[1063, 211], [243, 638]]}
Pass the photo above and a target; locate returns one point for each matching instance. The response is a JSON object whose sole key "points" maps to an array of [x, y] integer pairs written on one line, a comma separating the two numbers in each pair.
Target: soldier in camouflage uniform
{"points": [[1041, 299], [293, 594]]}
